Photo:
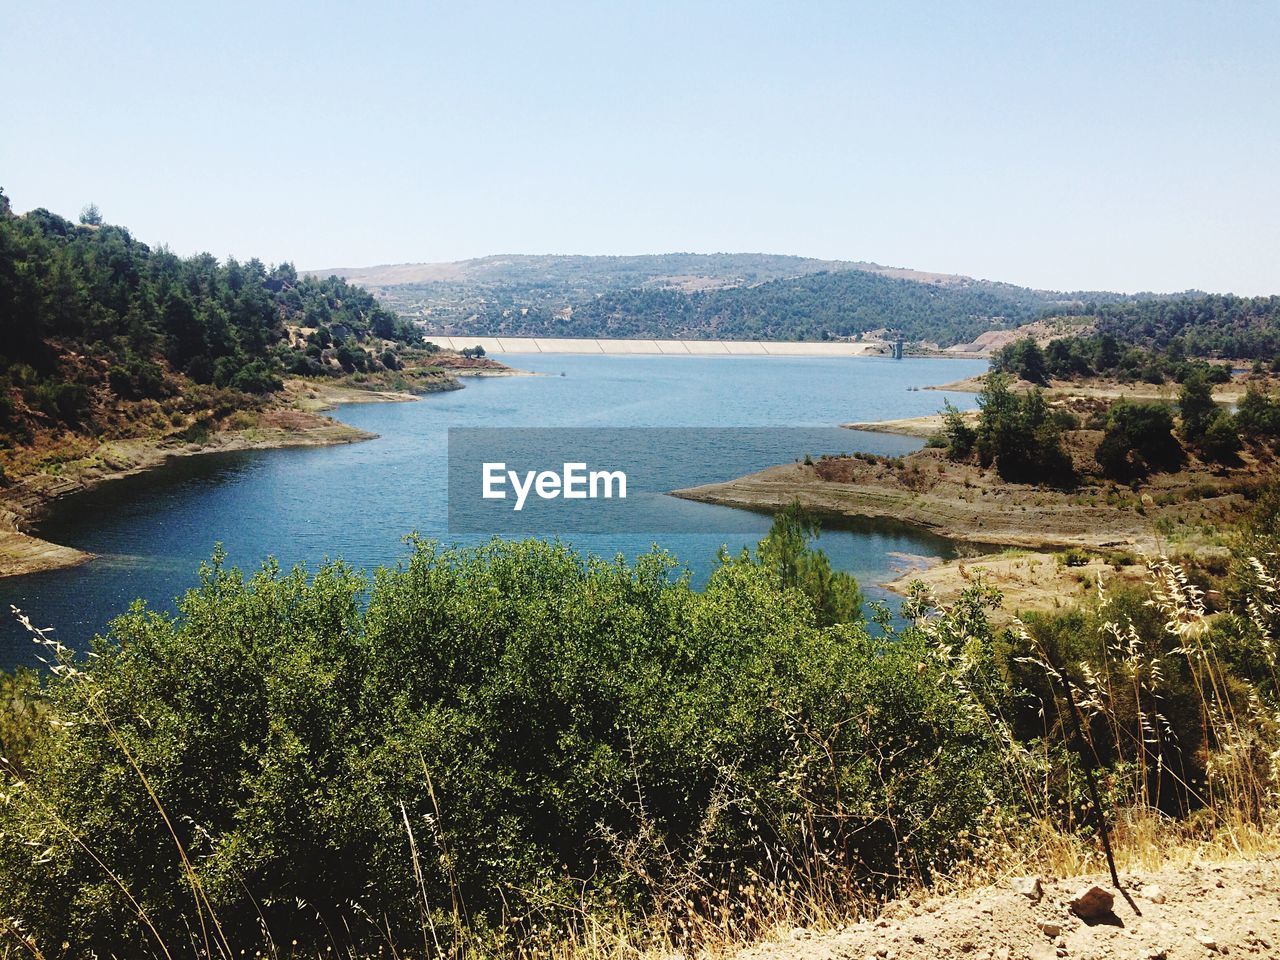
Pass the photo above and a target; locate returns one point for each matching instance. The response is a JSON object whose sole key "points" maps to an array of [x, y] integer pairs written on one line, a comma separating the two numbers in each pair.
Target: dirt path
{"points": [[1188, 913]]}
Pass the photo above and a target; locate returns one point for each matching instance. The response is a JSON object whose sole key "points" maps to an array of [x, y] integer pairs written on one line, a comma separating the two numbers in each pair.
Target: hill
{"points": [[1208, 325], [103, 337], [702, 296]]}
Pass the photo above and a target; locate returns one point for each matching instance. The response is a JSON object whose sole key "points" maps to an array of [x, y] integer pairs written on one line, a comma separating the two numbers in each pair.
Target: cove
{"points": [[151, 531]]}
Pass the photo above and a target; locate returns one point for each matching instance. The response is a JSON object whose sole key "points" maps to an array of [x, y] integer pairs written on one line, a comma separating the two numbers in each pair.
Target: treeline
{"points": [[1024, 437], [821, 306], [91, 318], [1210, 325], [1104, 355]]}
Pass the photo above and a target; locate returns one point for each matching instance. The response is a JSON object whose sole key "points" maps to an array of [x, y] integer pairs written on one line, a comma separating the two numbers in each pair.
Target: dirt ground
{"points": [[1100, 388], [1027, 581], [964, 502], [1187, 913]]}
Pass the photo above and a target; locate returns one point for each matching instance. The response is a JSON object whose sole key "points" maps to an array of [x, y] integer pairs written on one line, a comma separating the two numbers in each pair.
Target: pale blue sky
{"points": [[1112, 145]]}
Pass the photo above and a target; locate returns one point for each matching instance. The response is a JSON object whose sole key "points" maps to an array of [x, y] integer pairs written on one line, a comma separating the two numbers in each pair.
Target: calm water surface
{"points": [[357, 502]]}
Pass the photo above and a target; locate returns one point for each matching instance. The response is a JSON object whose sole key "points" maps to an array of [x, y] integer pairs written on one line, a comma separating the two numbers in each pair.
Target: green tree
{"points": [[1258, 413], [1138, 439], [788, 551], [1024, 359], [1221, 439], [960, 435], [1020, 436], [1196, 407]]}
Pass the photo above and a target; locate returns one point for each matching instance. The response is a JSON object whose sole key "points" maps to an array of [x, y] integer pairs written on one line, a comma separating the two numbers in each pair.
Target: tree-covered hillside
{"points": [[99, 332], [819, 306], [1215, 325]]}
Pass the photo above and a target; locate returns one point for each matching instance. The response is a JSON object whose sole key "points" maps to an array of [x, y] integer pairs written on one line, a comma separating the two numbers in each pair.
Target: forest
{"points": [[819, 306], [98, 329], [1209, 325]]}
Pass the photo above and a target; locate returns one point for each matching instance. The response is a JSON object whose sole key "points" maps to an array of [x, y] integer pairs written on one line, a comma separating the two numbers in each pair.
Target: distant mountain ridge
{"points": [[745, 296], [730, 268]]}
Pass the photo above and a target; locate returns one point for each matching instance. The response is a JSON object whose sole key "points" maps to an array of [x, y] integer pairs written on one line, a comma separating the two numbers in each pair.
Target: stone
{"points": [[1208, 941], [1029, 887], [1093, 903], [1049, 928], [1153, 893]]}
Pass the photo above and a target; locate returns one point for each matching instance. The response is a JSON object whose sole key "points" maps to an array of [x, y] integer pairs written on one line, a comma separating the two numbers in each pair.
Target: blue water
{"points": [[149, 532]]}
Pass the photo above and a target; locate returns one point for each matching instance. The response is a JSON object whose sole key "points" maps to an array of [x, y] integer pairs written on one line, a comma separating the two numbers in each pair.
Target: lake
{"points": [[149, 532]]}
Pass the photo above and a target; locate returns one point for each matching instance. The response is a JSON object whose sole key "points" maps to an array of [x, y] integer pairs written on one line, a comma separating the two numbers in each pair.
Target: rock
{"points": [[1152, 893], [1093, 903], [1029, 887], [1049, 928], [1208, 941]]}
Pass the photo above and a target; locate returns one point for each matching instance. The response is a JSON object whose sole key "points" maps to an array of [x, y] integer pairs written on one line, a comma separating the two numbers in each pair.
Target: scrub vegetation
{"points": [[515, 749]]}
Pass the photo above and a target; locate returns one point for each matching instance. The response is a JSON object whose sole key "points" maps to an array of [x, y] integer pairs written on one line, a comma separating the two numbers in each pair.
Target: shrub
{"points": [[257, 376], [960, 436], [1138, 439], [1073, 557], [1221, 440], [1258, 414], [478, 734]]}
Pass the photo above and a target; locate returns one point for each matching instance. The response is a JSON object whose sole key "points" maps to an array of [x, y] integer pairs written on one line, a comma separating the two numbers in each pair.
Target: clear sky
{"points": [[1127, 146]]}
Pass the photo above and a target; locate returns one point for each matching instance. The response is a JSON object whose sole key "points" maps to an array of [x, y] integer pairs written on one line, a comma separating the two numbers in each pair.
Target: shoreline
{"points": [[1001, 523], [296, 420], [1102, 389]]}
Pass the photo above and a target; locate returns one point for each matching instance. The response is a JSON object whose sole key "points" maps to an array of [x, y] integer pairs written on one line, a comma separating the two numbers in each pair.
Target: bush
{"points": [[257, 377], [24, 720], [521, 725], [1073, 557], [1138, 439], [1258, 414], [960, 436], [135, 378], [1221, 440]]}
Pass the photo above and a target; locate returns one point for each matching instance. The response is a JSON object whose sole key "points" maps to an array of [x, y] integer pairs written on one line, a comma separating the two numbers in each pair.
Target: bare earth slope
{"points": [[1189, 913], [937, 497]]}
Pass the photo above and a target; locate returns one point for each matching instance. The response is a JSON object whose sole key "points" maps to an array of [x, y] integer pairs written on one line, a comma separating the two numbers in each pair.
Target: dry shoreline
{"points": [[1034, 520], [1102, 389], [296, 421]]}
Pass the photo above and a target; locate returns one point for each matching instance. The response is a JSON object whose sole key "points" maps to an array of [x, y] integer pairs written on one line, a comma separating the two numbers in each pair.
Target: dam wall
{"points": [[587, 345]]}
